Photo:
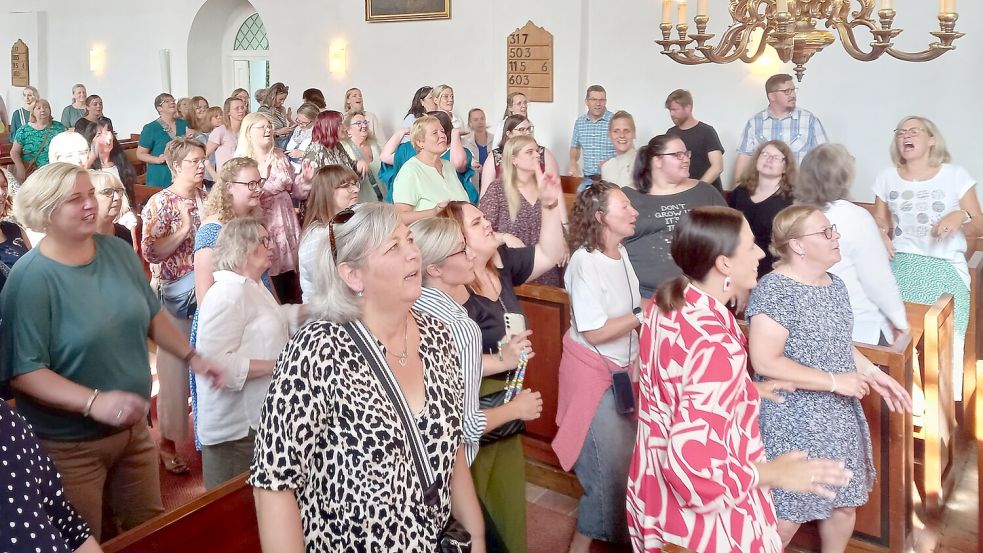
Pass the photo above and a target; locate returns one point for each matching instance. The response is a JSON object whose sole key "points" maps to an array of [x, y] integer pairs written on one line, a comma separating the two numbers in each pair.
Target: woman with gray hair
{"points": [[76, 357], [356, 396], [242, 327], [824, 181]]}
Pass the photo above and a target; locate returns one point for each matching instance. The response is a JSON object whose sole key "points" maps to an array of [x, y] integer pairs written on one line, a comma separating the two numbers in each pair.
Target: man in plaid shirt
{"points": [[590, 134]]}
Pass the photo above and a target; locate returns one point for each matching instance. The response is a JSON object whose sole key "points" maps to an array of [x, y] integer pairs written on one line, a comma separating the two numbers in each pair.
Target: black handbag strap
{"points": [[367, 346]]}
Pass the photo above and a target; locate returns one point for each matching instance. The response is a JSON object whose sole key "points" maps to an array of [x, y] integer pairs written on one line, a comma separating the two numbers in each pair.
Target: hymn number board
{"points": [[530, 62], [20, 71]]}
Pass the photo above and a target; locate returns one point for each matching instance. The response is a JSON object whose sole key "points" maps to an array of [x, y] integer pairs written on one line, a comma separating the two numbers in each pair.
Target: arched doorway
{"points": [[227, 49]]}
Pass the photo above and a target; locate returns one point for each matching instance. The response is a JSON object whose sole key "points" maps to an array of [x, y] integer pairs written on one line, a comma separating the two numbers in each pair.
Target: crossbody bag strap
{"points": [[367, 346], [44, 144]]}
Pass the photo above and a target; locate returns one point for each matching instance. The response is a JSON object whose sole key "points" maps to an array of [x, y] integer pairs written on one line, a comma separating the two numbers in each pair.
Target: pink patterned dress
{"points": [[278, 213], [692, 480], [161, 218]]}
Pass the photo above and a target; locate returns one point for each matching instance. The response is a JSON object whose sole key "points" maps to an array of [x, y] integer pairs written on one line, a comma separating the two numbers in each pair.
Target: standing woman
{"points": [[21, 116], [596, 434], [824, 181], [511, 204], [108, 157], [422, 103], [272, 106], [480, 140], [354, 101], [325, 147], [499, 468], [323, 483], [87, 394], [279, 182], [394, 154], [926, 241], [112, 203], [514, 125], [621, 132], [76, 110], [243, 95], [223, 139], [699, 477], [29, 150], [170, 220], [801, 332], [426, 182], [444, 98], [333, 190], [362, 147], [764, 190], [154, 138], [93, 113], [316, 97], [516, 103], [300, 139], [662, 194], [244, 329]]}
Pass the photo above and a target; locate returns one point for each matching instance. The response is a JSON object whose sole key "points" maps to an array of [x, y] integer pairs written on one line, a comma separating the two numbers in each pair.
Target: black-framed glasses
{"points": [[772, 157], [786, 91], [681, 156], [463, 250], [341, 218], [359, 124], [266, 241], [826, 232], [252, 185], [114, 191]]}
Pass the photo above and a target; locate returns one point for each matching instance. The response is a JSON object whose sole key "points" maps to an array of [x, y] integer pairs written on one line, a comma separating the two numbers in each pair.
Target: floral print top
{"points": [[161, 218]]}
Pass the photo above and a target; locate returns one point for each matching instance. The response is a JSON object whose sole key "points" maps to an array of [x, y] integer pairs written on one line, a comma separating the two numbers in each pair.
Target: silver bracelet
{"points": [[833, 378], [89, 402]]}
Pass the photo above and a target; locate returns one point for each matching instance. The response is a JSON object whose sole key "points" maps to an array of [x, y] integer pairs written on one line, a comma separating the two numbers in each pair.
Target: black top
{"points": [[517, 265], [760, 217], [82, 123], [122, 232], [34, 506], [701, 140], [12, 247]]}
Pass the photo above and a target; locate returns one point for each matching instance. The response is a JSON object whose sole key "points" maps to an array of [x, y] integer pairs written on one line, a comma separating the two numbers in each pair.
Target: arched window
{"points": [[251, 35]]}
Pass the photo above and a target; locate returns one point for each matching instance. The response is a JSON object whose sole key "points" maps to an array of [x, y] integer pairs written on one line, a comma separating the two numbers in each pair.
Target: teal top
{"points": [[32, 140], [406, 151], [71, 114], [154, 138], [88, 323], [19, 118]]}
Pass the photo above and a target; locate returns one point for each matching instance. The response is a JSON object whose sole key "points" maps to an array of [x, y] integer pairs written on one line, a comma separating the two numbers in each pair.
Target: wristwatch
{"points": [[638, 314]]}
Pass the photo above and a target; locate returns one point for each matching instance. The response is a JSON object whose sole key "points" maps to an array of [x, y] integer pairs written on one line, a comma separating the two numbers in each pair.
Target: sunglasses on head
{"points": [[341, 218]]}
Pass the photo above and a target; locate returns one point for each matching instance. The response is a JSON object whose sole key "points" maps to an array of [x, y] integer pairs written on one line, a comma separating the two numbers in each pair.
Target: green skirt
{"points": [[922, 279], [499, 474]]}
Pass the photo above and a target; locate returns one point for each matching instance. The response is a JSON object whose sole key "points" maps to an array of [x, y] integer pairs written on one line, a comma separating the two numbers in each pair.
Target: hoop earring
{"points": [[727, 283]]}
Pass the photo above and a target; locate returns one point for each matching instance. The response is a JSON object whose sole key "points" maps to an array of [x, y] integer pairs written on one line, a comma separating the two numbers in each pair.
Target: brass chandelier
{"points": [[791, 28]]}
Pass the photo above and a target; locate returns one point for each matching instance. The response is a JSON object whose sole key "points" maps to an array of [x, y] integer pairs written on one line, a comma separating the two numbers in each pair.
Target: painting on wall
{"points": [[406, 10]]}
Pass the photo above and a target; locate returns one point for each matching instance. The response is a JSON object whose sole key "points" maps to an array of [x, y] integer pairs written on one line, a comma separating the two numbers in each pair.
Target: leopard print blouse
{"points": [[329, 433]]}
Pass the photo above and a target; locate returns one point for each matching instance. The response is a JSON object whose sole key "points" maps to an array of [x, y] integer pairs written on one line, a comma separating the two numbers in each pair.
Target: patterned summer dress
{"points": [[827, 425]]}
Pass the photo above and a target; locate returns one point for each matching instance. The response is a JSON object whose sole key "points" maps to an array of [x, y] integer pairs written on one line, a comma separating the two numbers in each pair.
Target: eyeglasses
{"points": [[199, 161], [463, 250], [110, 192], [341, 218], [681, 156], [826, 232], [303, 124], [266, 241], [786, 91], [359, 124], [772, 157], [529, 129], [252, 185], [910, 131], [350, 184]]}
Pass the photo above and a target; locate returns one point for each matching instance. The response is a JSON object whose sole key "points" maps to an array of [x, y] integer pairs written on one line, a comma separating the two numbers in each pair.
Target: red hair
{"points": [[326, 128]]}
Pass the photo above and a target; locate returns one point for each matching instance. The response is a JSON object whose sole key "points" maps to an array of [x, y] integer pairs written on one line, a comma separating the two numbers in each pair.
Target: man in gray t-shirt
{"points": [[649, 248]]}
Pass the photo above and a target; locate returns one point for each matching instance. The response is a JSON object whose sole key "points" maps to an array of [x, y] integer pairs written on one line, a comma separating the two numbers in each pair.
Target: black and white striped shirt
{"points": [[467, 338]]}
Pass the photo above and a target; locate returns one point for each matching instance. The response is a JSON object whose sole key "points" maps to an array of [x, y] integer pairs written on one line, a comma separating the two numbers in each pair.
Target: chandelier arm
{"points": [[757, 54], [934, 50], [686, 57], [849, 41]]}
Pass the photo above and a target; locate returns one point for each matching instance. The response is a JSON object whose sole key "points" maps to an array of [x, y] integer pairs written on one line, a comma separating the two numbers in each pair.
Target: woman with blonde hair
{"points": [[360, 146], [333, 189], [926, 207], [223, 139], [801, 330], [272, 107], [279, 187], [511, 204], [22, 115], [763, 190], [426, 182], [444, 97], [354, 101], [243, 95]]}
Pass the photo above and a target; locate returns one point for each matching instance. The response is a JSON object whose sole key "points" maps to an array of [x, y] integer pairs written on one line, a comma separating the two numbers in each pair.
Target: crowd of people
{"points": [[339, 307]]}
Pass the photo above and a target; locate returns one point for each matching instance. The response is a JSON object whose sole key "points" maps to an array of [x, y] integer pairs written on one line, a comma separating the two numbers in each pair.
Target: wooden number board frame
{"points": [[529, 62]]}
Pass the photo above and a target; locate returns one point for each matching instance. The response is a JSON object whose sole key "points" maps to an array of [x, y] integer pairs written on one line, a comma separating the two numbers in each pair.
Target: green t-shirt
{"points": [[153, 137], [87, 323], [32, 140]]}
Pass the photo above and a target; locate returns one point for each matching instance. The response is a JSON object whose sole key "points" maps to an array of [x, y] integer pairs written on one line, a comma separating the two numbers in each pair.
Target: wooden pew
{"points": [[570, 184], [883, 525], [221, 521]]}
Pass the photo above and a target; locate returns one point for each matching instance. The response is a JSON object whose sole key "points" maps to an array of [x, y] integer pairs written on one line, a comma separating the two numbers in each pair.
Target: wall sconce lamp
{"points": [[97, 59], [338, 59]]}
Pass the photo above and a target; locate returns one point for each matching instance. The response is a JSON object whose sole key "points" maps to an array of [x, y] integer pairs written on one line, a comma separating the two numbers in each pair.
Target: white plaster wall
{"points": [[604, 41]]}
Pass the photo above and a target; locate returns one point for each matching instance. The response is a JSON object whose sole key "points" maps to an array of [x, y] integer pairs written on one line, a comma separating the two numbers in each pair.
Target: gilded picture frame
{"points": [[406, 10]]}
